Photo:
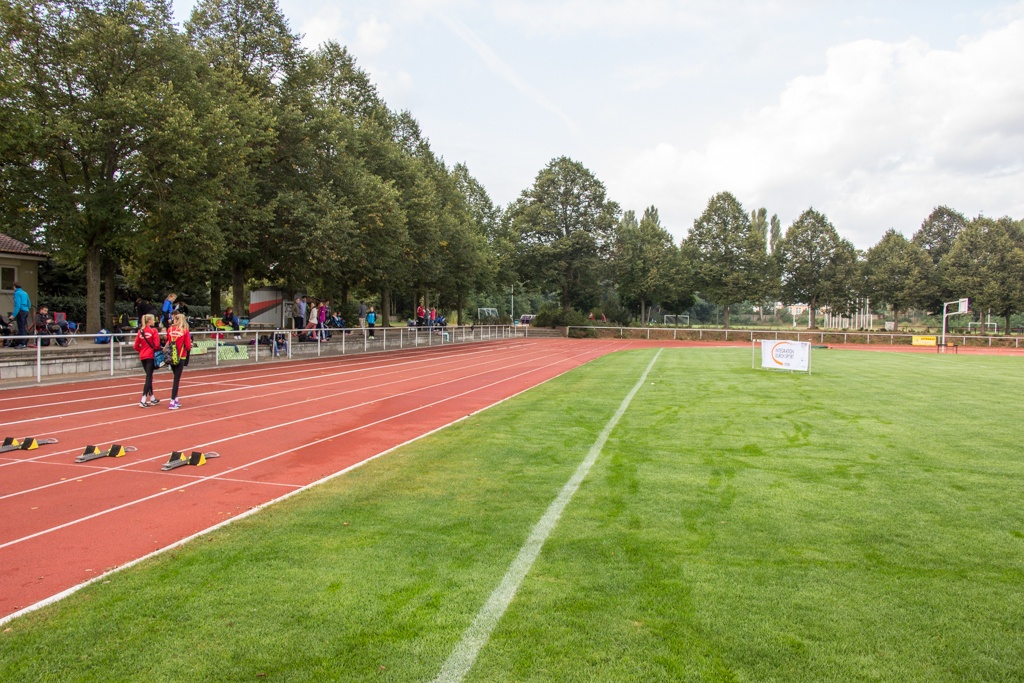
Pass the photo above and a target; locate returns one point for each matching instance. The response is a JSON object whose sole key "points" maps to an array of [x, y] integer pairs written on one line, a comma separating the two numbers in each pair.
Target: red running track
{"points": [[278, 428]]}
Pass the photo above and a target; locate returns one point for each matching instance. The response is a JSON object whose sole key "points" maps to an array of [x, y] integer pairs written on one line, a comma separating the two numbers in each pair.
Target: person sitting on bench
{"points": [[46, 325], [230, 319]]}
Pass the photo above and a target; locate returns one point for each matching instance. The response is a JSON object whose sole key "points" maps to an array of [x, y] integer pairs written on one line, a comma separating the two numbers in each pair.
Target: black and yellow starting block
{"points": [[94, 453], [178, 459], [26, 444]]}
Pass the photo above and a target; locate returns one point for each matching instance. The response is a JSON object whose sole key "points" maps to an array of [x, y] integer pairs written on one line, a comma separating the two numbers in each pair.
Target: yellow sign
{"points": [[922, 340]]}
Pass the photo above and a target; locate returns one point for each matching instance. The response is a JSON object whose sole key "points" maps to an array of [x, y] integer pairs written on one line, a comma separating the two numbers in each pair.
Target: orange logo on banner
{"points": [[788, 351]]}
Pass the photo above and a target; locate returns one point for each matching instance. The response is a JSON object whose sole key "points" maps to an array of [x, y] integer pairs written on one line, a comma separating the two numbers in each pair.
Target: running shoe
{"points": [[143, 404], [153, 401], [174, 405]]}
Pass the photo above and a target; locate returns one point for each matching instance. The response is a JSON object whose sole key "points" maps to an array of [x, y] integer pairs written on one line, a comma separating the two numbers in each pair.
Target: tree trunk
{"points": [[215, 298], [92, 290], [109, 292], [643, 312], [460, 304], [726, 319], [895, 319], [812, 312], [238, 288], [385, 307]]}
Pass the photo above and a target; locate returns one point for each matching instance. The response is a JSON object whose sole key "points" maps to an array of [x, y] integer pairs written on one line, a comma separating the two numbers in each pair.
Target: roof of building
{"points": [[9, 245]]}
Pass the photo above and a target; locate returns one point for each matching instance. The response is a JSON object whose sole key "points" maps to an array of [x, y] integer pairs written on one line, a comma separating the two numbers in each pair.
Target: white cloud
{"points": [[372, 37], [653, 76], [574, 17], [884, 134], [504, 71], [325, 24]]}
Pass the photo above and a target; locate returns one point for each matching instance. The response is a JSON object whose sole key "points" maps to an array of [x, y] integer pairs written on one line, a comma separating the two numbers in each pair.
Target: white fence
{"points": [[84, 355], [813, 336]]}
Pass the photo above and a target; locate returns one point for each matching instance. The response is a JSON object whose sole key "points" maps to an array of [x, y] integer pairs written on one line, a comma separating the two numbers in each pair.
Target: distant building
{"points": [[18, 263], [797, 310]]}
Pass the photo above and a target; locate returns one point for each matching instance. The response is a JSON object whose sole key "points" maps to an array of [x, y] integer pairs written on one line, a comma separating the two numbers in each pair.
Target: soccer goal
{"points": [[486, 313], [677, 320]]}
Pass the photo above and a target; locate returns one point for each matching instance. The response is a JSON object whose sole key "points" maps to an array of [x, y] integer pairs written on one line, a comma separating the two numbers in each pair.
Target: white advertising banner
{"points": [[786, 355]]}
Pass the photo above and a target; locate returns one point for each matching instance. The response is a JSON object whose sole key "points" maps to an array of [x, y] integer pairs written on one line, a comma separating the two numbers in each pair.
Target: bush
{"points": [[585, 332], [552, 315]]}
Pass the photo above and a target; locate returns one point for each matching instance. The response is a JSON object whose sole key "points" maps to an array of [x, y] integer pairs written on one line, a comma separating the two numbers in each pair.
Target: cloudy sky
{"points": [[872, 112]]}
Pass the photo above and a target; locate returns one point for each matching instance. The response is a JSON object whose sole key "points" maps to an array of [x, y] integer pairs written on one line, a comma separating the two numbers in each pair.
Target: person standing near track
{"points": [[147, 342], [314, 319], [20, 313], [321, 317], [371, 320], [167, 310], [362, 314], [179, 344], [298, 313]]}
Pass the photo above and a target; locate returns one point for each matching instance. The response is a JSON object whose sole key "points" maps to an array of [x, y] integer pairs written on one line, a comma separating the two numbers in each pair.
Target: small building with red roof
{"points": [[18, 263]]}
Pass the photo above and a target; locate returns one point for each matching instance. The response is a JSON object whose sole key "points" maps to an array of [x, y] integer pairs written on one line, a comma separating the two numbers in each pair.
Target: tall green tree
{"points": [[898, 273], [470, 264], [565, 223], [937, 234], [251, 43], [109, 147], [772, 231], [645, 260], [819, 268], [730, 256], [986, 265]]}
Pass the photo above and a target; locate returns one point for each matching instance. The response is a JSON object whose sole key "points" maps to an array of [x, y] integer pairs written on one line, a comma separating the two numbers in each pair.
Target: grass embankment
{"points": [[861, 523]]}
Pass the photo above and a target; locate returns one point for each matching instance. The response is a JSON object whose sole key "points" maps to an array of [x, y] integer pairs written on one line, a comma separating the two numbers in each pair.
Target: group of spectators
{"points": [[429, 318], [44, 323], [314, 318]]}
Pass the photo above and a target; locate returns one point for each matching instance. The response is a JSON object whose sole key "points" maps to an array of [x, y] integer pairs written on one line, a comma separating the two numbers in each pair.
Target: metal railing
{"points": [[820, 336], [114, 351]]}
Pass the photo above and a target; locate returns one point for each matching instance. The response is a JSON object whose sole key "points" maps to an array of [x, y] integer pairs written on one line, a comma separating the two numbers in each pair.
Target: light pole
{"points": [[512, 315]]}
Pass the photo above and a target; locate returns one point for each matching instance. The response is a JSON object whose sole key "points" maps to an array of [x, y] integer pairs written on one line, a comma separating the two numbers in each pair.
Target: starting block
{"points": [[178, 459], [94, 453], [26, 444]]}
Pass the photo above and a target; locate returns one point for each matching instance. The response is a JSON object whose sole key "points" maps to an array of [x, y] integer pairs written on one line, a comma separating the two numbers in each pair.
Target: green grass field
{"points": [[863, 523]]}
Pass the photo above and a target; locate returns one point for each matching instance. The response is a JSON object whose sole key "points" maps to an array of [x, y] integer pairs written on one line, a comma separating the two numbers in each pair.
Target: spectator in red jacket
{"points": [[179, 344], [147, 343]]}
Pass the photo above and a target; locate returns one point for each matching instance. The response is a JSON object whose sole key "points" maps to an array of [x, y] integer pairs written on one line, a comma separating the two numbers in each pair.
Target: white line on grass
{"points": [[476, 636], [254, 510]]}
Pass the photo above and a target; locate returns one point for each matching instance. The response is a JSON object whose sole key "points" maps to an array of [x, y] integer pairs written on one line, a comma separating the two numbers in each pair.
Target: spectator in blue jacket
{"points": [[167, 310], [20, 314]]}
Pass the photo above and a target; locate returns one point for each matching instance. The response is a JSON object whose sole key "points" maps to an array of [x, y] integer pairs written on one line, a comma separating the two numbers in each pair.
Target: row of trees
{"points": [[571, 241], [223, 155], [220, 155]]}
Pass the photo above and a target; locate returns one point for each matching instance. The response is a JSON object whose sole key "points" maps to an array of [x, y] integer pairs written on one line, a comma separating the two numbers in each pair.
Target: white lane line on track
{"points": [[303, 375], [252, 511], [479, 632], [128, 386], [268, 458], [332, 376], [131, 465], [191, 426]]}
